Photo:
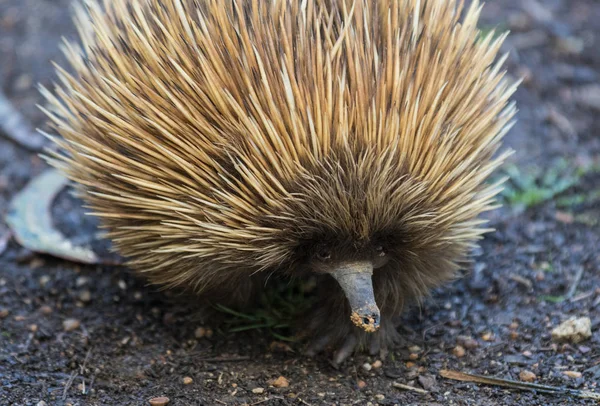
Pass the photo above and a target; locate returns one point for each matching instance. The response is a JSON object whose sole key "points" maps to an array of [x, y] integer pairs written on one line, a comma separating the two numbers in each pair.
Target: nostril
{"points": [[372, 319], [366, 320]]}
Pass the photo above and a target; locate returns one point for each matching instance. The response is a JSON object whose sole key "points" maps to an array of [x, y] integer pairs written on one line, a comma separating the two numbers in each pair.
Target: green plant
{"points": [[552, 299], [279, 305], [534, 186]]}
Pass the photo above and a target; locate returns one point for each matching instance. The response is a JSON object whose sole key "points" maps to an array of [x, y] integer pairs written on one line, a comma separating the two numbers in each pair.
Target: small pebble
{"points": [[33, 328], [527, 376], [377, 364], [280, 382], [574, 330], [45, 310], [160, 401], [85, 296], [527, 354], [459, 351], [470, 344], [572, 374], [426, 381], [410, 364], [361, 384], [71, 324], [379, 396], [258, 391], [41, 403], [413, 356], [514, 335], [4, 313], [366, 366], [487, 337], [187, 380], [414, 348], [278, 346], [200, 332], [79, 282], [44, 280], [467, 342], [563, 217], [19, 318]]}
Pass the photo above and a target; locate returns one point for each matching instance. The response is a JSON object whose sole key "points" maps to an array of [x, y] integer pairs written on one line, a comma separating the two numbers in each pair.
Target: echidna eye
{"points": [[323, 254]]}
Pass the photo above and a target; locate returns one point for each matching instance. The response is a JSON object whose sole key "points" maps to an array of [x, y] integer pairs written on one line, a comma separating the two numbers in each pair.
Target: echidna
{"points": [[224, 141]]}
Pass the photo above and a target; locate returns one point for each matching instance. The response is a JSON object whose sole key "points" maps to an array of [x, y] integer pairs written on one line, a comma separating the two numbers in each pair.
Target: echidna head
{"points": [[350, 217]]}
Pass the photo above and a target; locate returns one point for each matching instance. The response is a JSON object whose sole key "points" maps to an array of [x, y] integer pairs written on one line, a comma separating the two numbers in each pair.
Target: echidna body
{"points": [[223, 140]]}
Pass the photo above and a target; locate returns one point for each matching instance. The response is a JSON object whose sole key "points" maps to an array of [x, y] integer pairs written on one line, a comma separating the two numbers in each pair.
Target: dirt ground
{"points": [[134, 343]]}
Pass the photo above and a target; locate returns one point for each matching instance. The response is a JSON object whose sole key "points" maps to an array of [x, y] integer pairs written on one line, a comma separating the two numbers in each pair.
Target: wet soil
{"points": [[134, 343]]}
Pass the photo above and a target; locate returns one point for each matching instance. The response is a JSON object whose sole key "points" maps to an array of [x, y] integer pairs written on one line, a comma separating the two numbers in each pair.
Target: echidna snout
{"points": [[355, 277], [356, 281]]}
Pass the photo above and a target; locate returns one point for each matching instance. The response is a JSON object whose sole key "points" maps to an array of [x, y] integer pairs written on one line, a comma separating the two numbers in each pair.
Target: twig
{"points": [[87, 357], [561, 122], [304, 402], [16, 128], [231, 359], [506, 383], [68, 385], [409, 388], [266, 400], [583, 296], [575, 283], [91, 384], [520, 280]]}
